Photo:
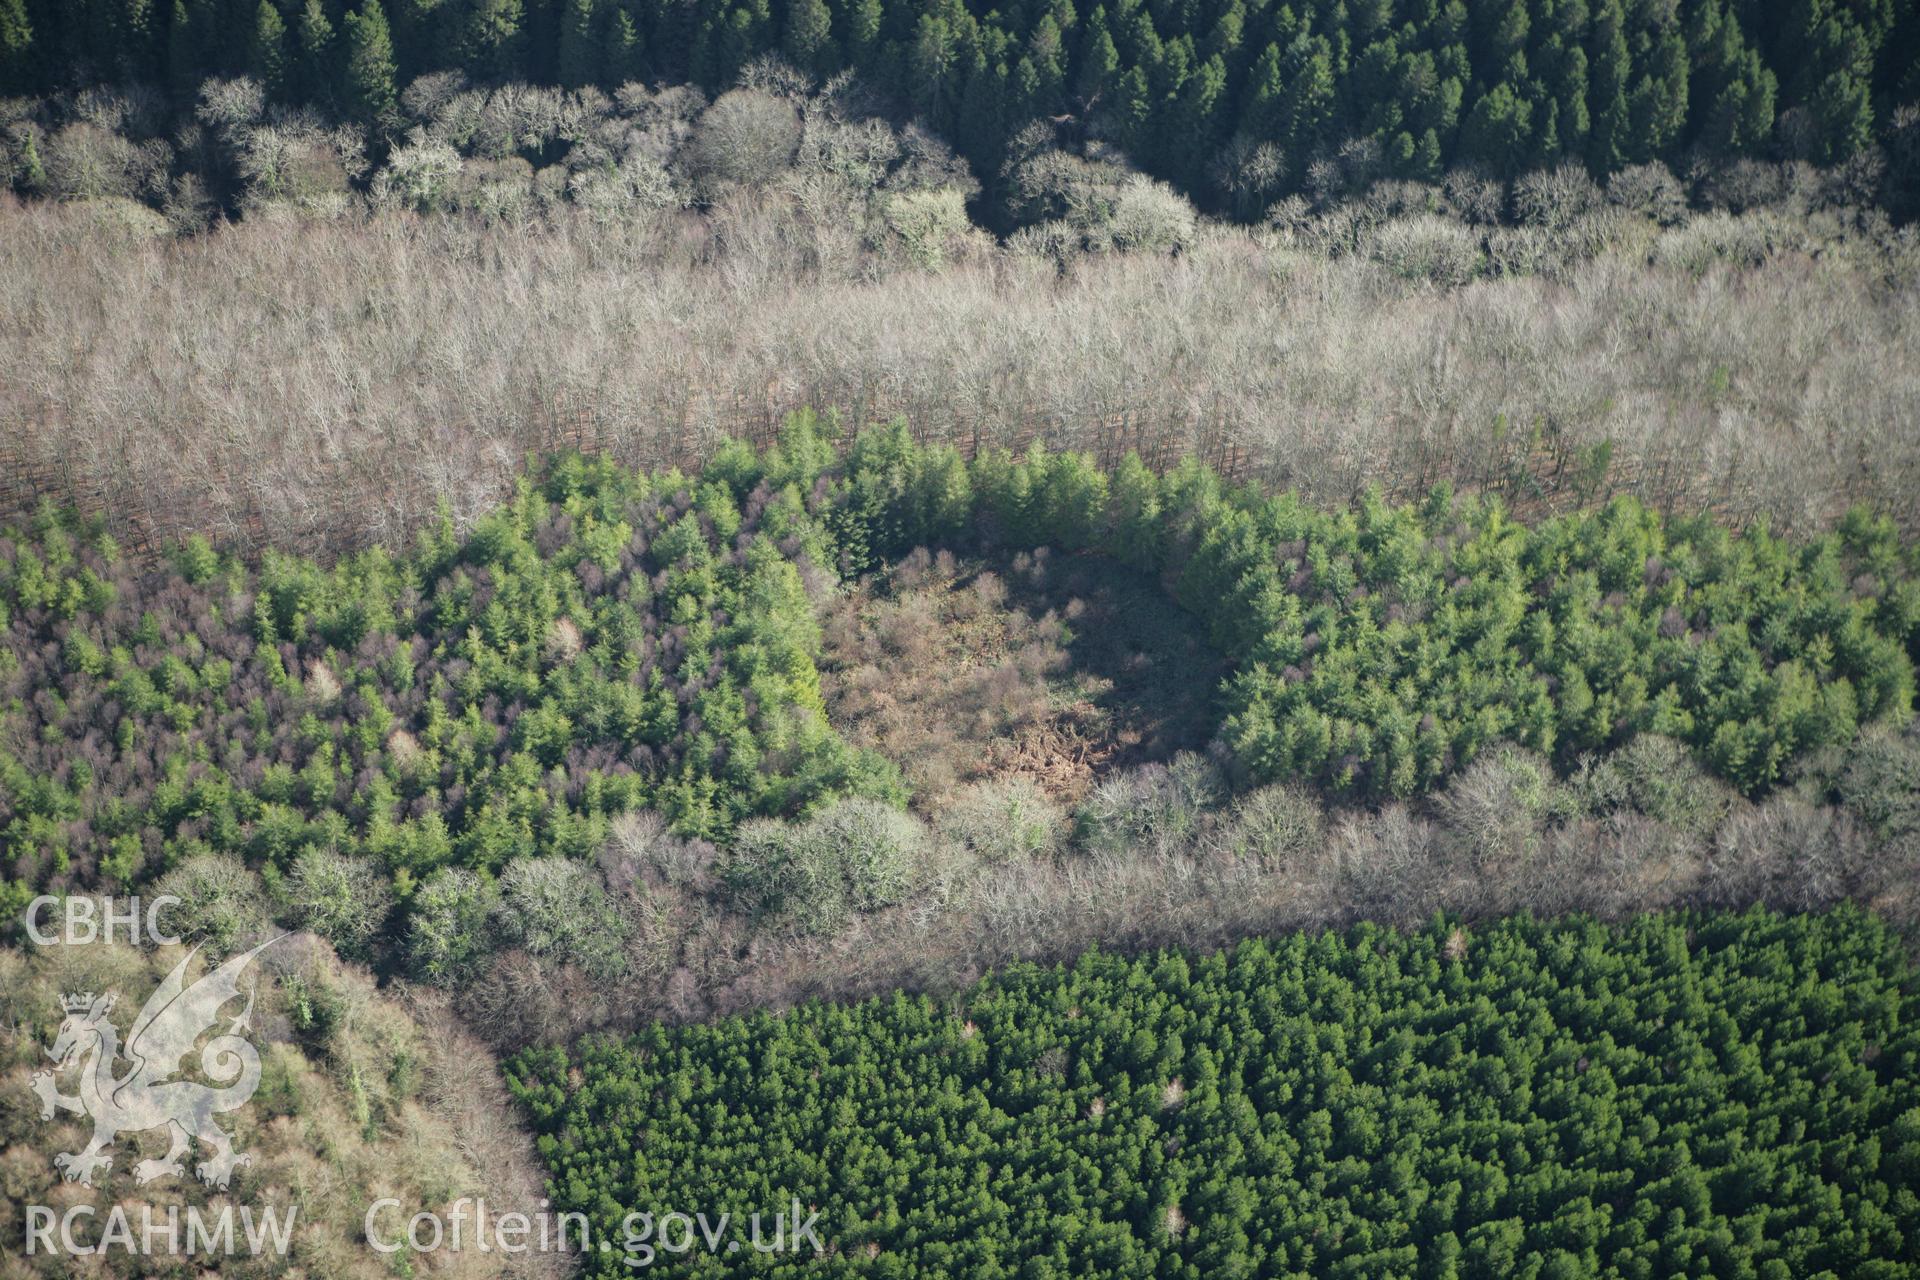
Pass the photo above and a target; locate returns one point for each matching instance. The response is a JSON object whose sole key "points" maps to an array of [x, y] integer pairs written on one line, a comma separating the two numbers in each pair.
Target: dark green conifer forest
{"points": [[1678, 1096], [1261, 88], [1155, 639], [573, 769]]}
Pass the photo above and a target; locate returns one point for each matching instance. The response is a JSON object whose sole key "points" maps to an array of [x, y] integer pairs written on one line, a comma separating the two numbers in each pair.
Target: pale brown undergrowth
{"points": [[1046, 667], [364, 1093]]}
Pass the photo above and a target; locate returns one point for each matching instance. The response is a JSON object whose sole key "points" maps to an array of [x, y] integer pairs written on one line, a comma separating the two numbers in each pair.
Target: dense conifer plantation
{"points": [[608, 640], [1238, 97], [1682, 1095], [612, 640], [1341, 703]]}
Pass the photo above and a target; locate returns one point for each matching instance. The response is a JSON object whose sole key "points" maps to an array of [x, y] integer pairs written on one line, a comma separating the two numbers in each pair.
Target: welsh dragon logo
{"points": [[146, 1096]]}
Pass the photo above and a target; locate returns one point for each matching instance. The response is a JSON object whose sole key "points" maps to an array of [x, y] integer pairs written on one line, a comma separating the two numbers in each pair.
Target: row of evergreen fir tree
{"points": [[1183, 87]]}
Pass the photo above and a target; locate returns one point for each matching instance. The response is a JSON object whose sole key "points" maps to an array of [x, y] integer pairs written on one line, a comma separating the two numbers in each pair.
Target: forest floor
{"points": [[1055, 667]]}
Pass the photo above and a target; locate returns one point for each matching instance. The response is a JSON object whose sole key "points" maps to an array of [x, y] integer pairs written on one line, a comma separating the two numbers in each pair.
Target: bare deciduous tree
{"points": [[747, 137], [325, 385]]}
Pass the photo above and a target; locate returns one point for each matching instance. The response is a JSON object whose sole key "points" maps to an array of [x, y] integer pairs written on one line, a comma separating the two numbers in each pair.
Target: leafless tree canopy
{"points": [[324, 384], [1158, 856]]}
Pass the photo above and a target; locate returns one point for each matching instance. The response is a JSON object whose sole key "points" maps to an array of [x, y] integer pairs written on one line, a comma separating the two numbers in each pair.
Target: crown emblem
{"points": [[147, 1095]]}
